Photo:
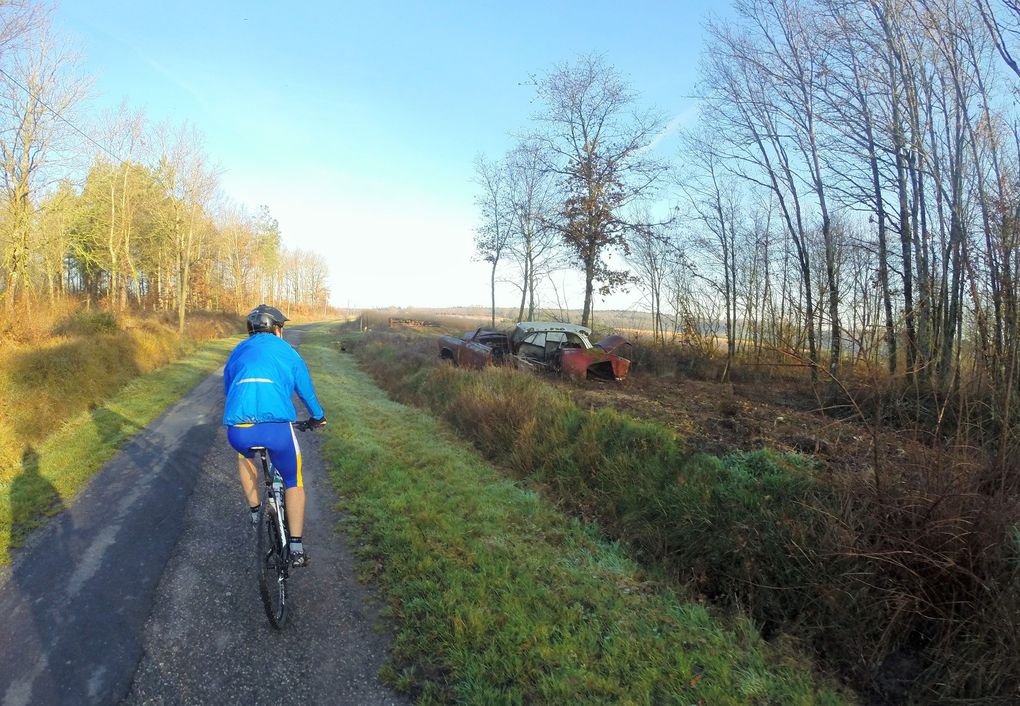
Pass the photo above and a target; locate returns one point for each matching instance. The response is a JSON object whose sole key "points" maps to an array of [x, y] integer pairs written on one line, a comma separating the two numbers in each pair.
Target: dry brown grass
{"points": [[60, 361]]}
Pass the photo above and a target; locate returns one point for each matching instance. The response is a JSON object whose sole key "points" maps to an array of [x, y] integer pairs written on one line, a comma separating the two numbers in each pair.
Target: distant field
{"points": [[631, 320]]}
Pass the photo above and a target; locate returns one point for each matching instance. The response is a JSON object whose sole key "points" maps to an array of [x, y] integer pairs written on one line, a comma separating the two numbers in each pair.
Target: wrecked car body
{"points": [[566, 349], [546, 346], [476, 349]]}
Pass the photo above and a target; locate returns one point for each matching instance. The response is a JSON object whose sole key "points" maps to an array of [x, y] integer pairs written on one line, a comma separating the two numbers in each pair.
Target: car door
{"points": [[532, 348]]}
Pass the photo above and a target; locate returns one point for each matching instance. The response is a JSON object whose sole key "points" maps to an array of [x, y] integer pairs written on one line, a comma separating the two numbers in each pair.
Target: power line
{"points": [[159, 177], [59, 116]]}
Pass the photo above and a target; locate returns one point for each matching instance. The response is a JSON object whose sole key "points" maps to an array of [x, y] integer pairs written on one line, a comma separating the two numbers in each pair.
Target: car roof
{"points": [[526, 327]]}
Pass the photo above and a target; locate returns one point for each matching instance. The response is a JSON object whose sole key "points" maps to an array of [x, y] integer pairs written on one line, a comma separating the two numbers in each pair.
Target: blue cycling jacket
{"points": [[259, 379]]}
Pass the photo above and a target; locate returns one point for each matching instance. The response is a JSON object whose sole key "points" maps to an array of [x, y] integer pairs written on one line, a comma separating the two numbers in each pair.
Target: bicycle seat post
{"points": [[261, 450], [265, 467]]}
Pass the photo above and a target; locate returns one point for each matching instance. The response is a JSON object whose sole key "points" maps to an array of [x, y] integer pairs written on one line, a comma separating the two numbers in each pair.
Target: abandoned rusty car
{"points": [[541, 345]]}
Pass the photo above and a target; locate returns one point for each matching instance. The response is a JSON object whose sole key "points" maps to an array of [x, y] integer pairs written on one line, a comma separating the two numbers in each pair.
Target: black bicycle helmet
{"points": [[263, 319]]}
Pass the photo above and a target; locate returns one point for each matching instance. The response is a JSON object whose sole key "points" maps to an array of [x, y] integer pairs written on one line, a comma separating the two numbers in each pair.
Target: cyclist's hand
{"points": [[314, 423]]}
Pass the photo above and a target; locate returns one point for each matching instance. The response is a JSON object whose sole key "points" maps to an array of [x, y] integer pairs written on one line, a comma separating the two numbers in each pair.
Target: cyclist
{"points": [[261, 374]]}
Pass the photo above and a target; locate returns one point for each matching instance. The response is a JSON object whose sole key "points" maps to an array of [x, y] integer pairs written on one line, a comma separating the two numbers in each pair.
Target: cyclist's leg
{"points": [[295, 499], [249, 479], [279, 439], [242, 438], [286, 454]]}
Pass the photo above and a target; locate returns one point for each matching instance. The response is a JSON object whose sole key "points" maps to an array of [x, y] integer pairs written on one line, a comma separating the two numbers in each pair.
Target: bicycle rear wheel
{"points": [[272, 566]]}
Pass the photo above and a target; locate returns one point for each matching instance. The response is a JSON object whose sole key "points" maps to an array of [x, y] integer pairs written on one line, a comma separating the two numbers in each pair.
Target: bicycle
{"points": [[272, 545]]}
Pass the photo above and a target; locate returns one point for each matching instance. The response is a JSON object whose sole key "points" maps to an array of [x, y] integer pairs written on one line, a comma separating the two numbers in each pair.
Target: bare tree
{"points": [[656, 254], [853, 98], [37, 92], [763, 147], [492, 236], [597, 145], [192, 185], [130, 192], [1000, 29], [533, 244], [118, 197], [714, 201]]}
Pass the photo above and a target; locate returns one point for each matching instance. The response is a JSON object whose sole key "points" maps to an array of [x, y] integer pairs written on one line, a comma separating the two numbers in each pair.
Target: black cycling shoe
{"points": [[299, 559]]}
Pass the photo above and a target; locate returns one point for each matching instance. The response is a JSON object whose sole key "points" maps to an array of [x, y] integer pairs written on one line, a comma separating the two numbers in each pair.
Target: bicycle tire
{"points": [[272, 567]]}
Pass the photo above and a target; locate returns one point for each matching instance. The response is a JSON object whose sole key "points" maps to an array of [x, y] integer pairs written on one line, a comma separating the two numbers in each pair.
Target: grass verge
{"points": [[498, 597], [910, 591], [65, 460]]}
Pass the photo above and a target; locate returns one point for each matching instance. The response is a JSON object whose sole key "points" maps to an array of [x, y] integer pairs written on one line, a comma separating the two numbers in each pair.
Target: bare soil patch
{"points": [[783, 415]]}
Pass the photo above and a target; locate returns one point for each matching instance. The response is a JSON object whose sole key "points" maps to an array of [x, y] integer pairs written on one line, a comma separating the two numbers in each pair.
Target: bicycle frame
{"points": [[275, 494], [272, 540]]}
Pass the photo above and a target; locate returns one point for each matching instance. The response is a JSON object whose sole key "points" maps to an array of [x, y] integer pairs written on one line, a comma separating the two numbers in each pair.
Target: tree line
{"points": [[141, 223], [847, 196]]}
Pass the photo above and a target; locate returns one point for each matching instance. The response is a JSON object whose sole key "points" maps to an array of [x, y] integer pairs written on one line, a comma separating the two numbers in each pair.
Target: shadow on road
{"points": [[32, 497], [77, 591]]}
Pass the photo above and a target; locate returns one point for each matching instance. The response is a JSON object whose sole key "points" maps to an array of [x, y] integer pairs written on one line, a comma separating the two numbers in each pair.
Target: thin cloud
{"points": [[674, 124]]}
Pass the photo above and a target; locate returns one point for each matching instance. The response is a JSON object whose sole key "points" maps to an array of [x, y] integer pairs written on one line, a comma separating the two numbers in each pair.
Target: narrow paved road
{"points": [[144, 590]]}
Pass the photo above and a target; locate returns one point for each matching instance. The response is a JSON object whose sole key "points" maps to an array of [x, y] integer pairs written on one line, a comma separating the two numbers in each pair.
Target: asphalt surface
{"points": [[144, 590]]}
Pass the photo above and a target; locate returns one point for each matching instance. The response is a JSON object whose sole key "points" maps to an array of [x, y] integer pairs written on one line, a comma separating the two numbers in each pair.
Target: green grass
{"points": [[865, 579], [751, 530], [51, 473], [499, 598]]}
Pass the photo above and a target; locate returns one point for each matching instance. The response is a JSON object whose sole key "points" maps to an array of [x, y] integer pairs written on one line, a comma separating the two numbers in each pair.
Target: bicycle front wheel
{"points": [[272, 566]]}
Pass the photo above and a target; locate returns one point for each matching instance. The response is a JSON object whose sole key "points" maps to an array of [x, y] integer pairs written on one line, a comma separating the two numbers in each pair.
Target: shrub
{"points": [[898, 586], [86, 323]]}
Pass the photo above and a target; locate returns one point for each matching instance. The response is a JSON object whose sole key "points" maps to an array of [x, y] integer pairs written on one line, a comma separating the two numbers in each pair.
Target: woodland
{"points": [[845, 201], [117, 212]]}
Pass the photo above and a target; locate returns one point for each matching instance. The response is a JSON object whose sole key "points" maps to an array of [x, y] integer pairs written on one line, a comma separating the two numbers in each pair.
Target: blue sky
{"points": [[358, 124]]}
